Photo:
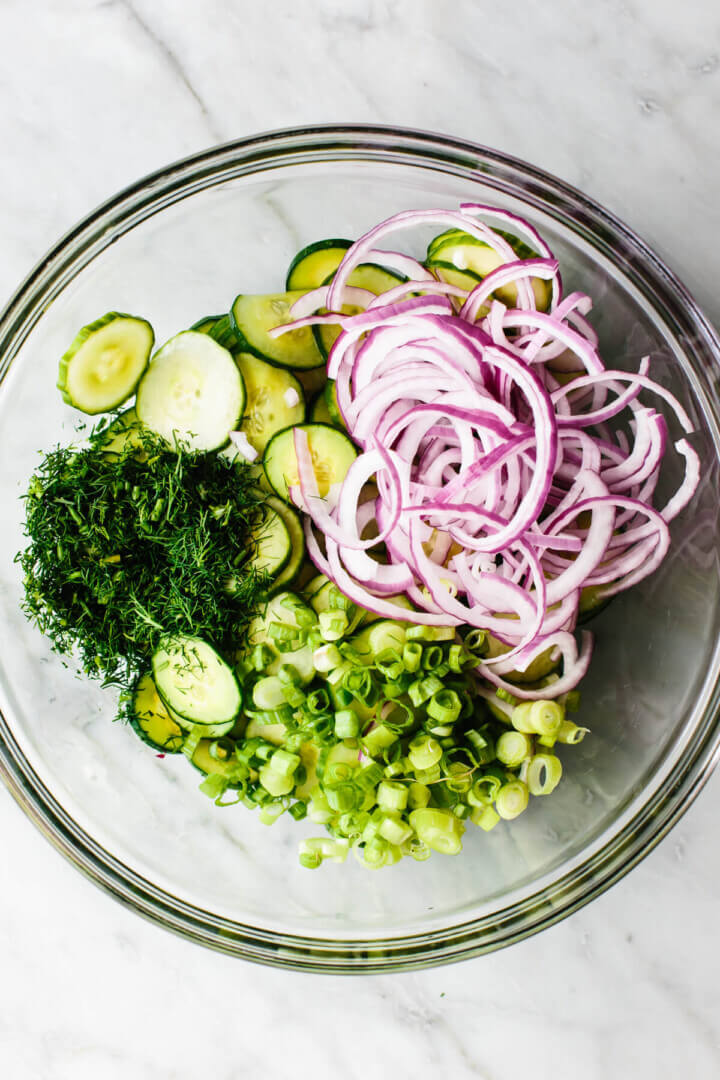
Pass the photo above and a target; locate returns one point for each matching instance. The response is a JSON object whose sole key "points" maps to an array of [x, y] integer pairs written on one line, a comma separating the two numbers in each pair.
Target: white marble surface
{"points": [[619, 98]]}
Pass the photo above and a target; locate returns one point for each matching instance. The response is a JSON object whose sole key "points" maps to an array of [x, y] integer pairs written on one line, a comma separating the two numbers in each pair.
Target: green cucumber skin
{"points": [[82, 336], [246, 345], [182, 717], [293, 566], [272, 449], [205, 325], [302, 255]]}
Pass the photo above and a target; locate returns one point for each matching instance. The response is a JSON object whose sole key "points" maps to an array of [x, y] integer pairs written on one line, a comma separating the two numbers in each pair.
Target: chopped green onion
{"points": [[326, 657], [261, 657], [333, 624], [391, 796], [540, 717], [476, 642], [428, 776], [484, 790], [369, 776], [513, 747], [268, 693], [343, 797], [412, 656], [375, 741], [385, 635], [270, 813], [318, 701], [544, 773], [318, 808], [570, 733], [512, 799], [275, 783], [423, 689], [418, 796], [485, 816], [298, 810], [432, 657], [430, 633], [394, 829], [284, 763], [325, 848], [506, 696], [444, 706], [441, 830], [424, 752], [347, 724]]}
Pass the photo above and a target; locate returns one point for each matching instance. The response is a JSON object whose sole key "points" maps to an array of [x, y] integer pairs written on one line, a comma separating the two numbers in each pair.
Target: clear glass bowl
{"points": [[180, 244]]}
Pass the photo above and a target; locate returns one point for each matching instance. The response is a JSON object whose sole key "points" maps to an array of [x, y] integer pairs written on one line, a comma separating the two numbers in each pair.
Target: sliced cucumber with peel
{"points": [[192, 392], [313, 265], [105, 362], [331, 451], [292, 567], [152, 722], [271, 543], [205, 325], [266, 409], [319, 413], [254, 316], [196, 685], [376, 279], [466, 253]]}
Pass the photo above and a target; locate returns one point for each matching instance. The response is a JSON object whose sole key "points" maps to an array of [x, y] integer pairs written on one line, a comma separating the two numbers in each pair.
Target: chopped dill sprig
{"points": [[127, 548]]}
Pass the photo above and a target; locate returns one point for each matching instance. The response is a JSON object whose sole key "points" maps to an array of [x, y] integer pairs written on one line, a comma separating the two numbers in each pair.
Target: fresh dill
{"points": [[126, 548]]}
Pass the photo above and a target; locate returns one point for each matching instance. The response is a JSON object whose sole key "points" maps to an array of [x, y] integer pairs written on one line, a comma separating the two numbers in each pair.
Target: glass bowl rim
{"points": [[650, 821]]}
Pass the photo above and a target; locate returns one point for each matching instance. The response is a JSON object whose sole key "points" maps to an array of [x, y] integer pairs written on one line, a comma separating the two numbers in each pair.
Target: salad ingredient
{"points": [[196, 685], [254, 316], [502, 494], [269, 407], [271, 542], [192, 392], [328, 457], [123, 552], [104, 364], [314, 264], [151, 721], [296, 558]]}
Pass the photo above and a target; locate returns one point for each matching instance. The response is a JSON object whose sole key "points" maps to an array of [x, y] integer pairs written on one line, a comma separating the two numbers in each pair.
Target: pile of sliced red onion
{"points": [[501, 489]]}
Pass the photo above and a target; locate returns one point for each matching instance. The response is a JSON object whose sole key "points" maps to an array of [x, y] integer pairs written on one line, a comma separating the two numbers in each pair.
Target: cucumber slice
{"points": [[271, 541], [266, 410], [312, 266], [205, 325], [314, 584], [253, 316], [151, 721], [332, 455], [319, 413], [467, 253], [464, 279], [124, 433], [312, 380], [333, 408], [295, 560], [224, 333], [196, 684], [192, 391], [376, 279], [105, 362]]}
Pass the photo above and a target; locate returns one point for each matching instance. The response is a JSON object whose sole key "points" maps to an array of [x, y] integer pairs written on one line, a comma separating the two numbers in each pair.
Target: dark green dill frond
{"points": [[126, 548]]}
